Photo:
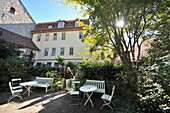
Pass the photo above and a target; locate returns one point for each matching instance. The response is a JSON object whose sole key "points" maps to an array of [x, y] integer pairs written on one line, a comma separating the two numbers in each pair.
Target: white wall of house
{"points": [[71, 40]]}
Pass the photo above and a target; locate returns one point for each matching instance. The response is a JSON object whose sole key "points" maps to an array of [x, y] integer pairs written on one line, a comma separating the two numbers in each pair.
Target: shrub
{"points": [[106, 70], [57, 79], [12, 68], [73, 66], [42, 70]]}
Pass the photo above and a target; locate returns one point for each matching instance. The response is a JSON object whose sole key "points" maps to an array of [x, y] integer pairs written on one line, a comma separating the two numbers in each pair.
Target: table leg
{"points": [[89, 98], [28, 90]]}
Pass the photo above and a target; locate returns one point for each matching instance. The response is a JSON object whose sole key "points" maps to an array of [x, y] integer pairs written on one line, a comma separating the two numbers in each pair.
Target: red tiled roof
{"points": [[17, 39], [68, 26]]}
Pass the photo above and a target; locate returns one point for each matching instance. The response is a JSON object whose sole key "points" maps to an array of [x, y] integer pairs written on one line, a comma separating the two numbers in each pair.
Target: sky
{"points": [[46, 11]]}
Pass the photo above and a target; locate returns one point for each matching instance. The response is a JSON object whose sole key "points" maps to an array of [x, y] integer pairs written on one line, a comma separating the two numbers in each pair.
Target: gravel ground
{"points": [[58, 102]]}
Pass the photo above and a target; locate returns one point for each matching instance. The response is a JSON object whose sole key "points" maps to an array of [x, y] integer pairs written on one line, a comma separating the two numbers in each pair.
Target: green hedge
{"points": [[16, 68], [106, 70]]}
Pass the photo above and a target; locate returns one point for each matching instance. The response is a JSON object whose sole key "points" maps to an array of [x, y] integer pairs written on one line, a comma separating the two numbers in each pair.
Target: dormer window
{"points": [[50, 26], [60, 24], [12, 10], [76, 23]]}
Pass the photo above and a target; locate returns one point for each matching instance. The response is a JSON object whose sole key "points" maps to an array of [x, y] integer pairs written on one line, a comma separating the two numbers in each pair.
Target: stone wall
{"points": [[20, 22]]}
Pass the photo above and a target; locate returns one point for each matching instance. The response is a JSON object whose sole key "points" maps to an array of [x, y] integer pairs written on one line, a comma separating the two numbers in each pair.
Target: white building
{"points": [[61, 38]]}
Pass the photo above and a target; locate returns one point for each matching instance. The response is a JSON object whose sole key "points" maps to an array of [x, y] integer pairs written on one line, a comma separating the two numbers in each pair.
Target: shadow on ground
{"points": [[58, 102]]}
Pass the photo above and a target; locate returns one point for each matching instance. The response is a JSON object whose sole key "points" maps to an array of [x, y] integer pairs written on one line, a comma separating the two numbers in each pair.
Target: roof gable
{"points": [[17, 39]]}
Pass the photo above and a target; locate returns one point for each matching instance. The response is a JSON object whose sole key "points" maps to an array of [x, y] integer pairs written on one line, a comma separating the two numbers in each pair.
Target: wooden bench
{"points": [[44, 82], [99, 83]]}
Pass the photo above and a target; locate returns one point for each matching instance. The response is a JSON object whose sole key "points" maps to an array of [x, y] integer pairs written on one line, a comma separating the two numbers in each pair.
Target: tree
{"points": [[29, 59], [8, 50], [60, 61], [142, 19]]}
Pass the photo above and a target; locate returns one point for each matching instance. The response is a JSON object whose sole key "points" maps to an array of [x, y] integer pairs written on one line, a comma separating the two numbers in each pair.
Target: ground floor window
{"points": [[48, 64], [38, 64]]}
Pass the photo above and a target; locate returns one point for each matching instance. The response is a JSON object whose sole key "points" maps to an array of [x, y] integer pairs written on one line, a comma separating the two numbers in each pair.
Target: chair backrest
{"points": [[16, 81], [10, 86], [113, 90]]}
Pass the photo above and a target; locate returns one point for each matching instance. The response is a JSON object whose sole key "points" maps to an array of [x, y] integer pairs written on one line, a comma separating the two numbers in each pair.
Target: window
{"points": [[53, 51], [60, 24], [63, 36], [80, 35], [12, 10], [56, 64], [0, 33], [71, 51], [38, 64], [50, 26], [28, 52], [38, 37], [47, 37], [55, 36], [48, 64], [46, 51], [62, 51], [76, 23]]}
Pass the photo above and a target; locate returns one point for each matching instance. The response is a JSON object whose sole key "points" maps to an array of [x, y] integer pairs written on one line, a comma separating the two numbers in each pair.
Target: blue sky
{"points": [[45, 11]]}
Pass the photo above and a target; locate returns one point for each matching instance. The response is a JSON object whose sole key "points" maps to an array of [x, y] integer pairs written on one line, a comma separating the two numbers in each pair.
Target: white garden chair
{"points": [[74, 95], [16, 83], [108, 98], [15, 92]]}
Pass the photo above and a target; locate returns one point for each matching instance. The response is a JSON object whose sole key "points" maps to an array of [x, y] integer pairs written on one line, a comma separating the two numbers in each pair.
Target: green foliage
{"points": [[155, 76], [8, 50], [57, 83], [29, 59], [142, 21], [106, 70], [60, 61], [12, 68], [73, 66], [42, 70]]}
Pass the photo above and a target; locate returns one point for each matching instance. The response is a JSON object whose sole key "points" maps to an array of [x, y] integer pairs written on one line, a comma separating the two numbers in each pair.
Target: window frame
{"points": [[48, 64], [12, 10], [77, 24], [38, 37], [50, 26], [39, 64], [64, 36], [60, 26], [62, 52], [47, 36], [45, 51], [71, 51], [53, 53], [28, 52], [56, 64], [54, 36], [81, 35]]}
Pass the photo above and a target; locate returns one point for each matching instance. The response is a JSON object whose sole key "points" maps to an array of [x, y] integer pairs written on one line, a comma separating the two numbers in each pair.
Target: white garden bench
{"points": [[44, 82], [99, 83]]}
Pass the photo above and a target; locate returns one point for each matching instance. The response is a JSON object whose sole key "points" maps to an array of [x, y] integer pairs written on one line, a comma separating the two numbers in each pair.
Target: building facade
{"points": [[15, 17], [16, 25], [61, 38]]}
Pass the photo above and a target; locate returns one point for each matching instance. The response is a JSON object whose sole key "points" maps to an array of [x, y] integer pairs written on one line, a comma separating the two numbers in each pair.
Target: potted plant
{"points": [[57, 86]]}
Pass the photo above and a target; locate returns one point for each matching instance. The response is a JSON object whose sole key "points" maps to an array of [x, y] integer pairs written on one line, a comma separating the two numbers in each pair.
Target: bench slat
{"points": [[100, 85]]}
